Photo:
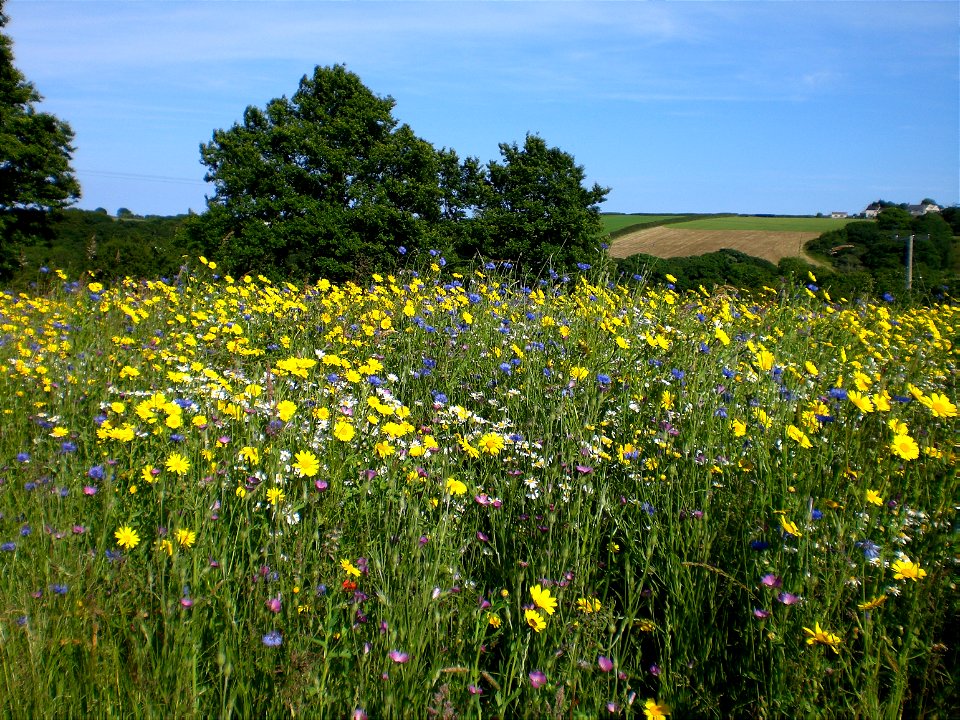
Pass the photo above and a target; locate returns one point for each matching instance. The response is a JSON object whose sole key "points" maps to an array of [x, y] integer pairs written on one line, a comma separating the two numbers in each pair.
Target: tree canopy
{"points": [[328, 183], [35, 154], [537, 210], [321, 183]]}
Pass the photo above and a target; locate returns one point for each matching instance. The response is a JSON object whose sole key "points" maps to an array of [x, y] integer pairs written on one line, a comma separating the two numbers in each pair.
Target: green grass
{"points": [[766, 224], [615, 221], [439, 495]]}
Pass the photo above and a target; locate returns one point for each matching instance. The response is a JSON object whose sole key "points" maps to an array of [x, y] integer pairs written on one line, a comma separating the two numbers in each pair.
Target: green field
{"points": [[613, 222], [770, 224], [616, 221]]}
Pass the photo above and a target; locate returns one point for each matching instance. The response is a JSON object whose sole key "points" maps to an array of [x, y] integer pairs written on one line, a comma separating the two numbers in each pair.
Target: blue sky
{"points": [[749, 107]]}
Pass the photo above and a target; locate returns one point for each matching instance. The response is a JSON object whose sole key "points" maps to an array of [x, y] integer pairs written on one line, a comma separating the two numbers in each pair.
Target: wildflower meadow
{"points": [[467, 494]]}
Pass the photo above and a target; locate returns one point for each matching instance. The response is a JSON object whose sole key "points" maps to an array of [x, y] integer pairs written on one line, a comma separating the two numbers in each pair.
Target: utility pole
{"points": [[910, 264]]}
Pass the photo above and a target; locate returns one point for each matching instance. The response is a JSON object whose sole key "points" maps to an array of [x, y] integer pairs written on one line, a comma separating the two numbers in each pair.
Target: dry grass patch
{"points": [[670, 241]]}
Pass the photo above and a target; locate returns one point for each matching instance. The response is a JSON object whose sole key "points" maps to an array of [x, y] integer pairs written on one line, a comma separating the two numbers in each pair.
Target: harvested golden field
{"points": [[671, 241]]}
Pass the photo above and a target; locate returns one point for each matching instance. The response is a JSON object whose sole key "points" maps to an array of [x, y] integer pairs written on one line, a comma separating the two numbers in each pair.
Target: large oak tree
{"points": [[36, 178]]}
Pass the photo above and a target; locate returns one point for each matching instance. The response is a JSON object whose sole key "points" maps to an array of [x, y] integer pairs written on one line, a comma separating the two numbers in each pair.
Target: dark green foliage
{"points": [[724, 267], [320, 184], [952, 216], [35, 151], [870, 257], [536, 211], [83, 241]]}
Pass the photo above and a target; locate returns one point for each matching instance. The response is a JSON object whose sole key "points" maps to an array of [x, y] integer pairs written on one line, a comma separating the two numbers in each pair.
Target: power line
{"points": [[135, 176]]}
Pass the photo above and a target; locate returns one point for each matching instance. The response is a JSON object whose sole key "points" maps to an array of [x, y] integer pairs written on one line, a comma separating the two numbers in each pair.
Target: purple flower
{"points": [[605, 663], [655, 670], [273, 639], [760, 613], [321, 485], [537, 679], [474, 690], [789, 598], [273, 605], [771, 580], [398, 657], [359, 714]]}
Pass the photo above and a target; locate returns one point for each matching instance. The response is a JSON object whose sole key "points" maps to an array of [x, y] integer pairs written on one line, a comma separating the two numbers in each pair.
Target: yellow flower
{"points": [[127, 537], [578, 373], [286, 410], [343, 431], [906, 570], [185, 537], [490, 444], [456, 487], [764, 360], [721, 335], [739, 428], [534, 620], [307, 464], [800, 437], [493, 619], [588, 605], [861, 401], [274, 496], [811, 368], [872, 604], [177, 464], [939, 405], [873, 497], [349, 568], [543, 600], [655, 710], [790, 527], [250, 454], [384, 449], [822, 637], [905, 447]]}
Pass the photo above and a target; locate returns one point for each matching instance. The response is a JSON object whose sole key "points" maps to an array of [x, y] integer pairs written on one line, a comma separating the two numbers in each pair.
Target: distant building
{"points": [[838, 214], [871, 210], [923, 209]]}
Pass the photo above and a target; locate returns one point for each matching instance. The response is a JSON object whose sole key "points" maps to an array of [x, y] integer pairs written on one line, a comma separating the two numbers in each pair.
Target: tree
{"points": [[323, 183], [35, 153], [536, 210], [894, 220]]}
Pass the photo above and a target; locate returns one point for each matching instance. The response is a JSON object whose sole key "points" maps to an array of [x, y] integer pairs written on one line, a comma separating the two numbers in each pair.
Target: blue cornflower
{"points": [[759, 545], [603, 379], [374, 380], [506, 367], [838, 393], [23, 457], [728, 373], [273, 639], [96, 472], [8, 547], [402, 250], [583, 266], [67, 447], [59, 589], [871, 551]]}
